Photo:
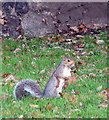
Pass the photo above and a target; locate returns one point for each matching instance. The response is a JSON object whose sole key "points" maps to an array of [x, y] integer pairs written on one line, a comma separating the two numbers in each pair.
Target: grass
{"points": [[34, 56]]}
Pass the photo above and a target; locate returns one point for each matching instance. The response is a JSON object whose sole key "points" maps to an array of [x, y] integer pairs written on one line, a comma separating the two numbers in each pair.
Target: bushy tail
{"points": [[27, 87]]}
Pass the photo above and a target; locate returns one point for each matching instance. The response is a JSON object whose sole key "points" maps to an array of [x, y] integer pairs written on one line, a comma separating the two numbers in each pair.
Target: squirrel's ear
{"points": [[63, 57]]}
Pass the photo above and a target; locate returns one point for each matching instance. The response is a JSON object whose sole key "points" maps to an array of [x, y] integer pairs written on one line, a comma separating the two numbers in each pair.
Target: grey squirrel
{"points": [[54, 85]]}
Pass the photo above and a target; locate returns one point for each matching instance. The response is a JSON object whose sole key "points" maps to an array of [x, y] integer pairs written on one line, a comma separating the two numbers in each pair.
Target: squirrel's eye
{"points": [[68, 60]]}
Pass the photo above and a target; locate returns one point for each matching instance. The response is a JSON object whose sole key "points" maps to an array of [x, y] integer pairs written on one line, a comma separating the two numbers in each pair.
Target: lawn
{"points": [[37, 58]]}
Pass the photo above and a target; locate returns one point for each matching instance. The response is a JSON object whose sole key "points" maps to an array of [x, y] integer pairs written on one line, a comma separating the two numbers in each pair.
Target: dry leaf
{"points": [[21, 116], [75, 28], [56, 108], [99, 88], [5, 75], [80, 104], [99, 41], [42, 71], [63, 114], [1, 53], [74, 79], [17, 50], [18, 28], [81, 45], [84, 53], [91, 75], [80, 36], [104, 105], [61, 39], [2, 21], [49, 107], [36, 106], [10, 77], [79, 64], [57, 116], [82, 25]]}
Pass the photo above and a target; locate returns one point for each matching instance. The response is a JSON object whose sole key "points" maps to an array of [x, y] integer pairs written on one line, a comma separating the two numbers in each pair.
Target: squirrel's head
{"points": [[69, 61]]}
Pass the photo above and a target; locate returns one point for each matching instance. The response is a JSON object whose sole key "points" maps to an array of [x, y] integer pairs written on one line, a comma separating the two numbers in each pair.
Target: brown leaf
{"points": [[84, 29], [5, 75], [10, 77], [74, 79], [82, 25], [18, 28], [79, 64], [49, 107], [105, 93], [81, 45], [61, 39], [56, 108]]}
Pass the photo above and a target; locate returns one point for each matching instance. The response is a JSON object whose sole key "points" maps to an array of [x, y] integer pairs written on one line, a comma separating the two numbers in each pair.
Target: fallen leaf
{"points": [[21, 116], [80, 104], [18, 28], [69, 112], [2, 21], [79, 64], [17, 50], [82, 25], [104, 105], [63, 114], [107, 72], [56, 108], [1, 53], [99, 41], [104, 93], [61, 39], [10, 77], [42, 71], [84, 53], [75, 28], [73, 91], [5, 75], [74, 79], [81, 45], [49, 107], [36, 106], [99, 88], [57, 116], [66, 95], [80, 36], [91, 75]]}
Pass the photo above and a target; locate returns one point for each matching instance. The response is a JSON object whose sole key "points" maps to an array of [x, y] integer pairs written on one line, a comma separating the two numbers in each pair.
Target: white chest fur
{"points": [[66, 72], [61, 84]]}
